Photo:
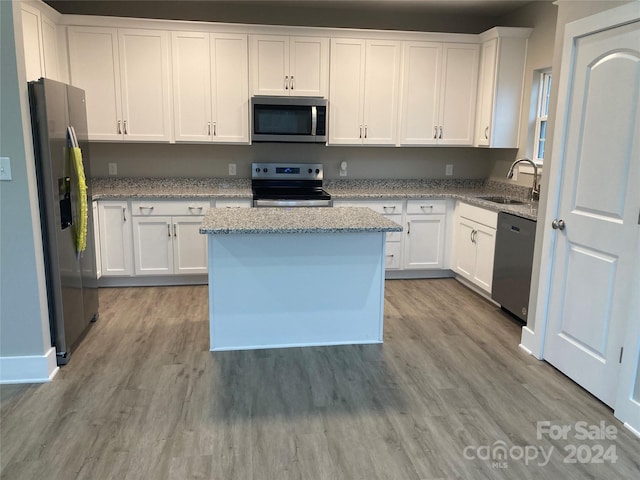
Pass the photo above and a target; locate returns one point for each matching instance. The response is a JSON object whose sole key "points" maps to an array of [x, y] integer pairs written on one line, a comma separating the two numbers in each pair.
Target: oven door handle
{"points": [[314, 120], [291, 203]]}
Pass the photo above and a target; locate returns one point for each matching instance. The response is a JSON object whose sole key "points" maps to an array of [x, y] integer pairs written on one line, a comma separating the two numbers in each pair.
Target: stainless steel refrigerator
{"points": [[72, 285]]}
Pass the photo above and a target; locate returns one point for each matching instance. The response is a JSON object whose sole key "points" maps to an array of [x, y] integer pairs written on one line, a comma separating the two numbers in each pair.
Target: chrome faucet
{"points": [[535, 191]]}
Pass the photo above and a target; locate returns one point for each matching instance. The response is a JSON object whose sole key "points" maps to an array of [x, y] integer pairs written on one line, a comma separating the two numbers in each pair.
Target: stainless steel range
{"points": [[288, 185]]}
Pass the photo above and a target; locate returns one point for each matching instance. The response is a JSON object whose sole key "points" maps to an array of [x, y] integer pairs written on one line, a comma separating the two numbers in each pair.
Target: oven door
{"points": [[289, 119]]}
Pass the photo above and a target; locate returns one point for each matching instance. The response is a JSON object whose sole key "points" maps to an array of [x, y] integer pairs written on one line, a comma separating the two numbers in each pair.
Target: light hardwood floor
{"points": [[143, 398]]}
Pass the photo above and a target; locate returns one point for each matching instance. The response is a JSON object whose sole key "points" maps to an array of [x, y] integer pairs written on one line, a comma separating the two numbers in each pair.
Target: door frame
{"points": [[626, 408]]}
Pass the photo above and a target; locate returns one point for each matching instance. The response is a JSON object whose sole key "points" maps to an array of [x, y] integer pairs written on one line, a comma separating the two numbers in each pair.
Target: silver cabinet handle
{"points": [[435, 132], [558, 224], [422, 207], [360, 131], [125, 127], [365, 131], [286, 82], [471, 235], [124, 214], [214, 130], [408, 228], [208, 128], [475, 236], [175, 231], [440, 136], [392, 208], [486, 133], [142, 207], [169, 230], [119, 129], [390, 255], [195, 208], [293, 83]]}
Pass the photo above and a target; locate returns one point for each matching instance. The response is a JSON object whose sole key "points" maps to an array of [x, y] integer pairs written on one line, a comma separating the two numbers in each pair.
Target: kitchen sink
{"points": [[503, 200]]}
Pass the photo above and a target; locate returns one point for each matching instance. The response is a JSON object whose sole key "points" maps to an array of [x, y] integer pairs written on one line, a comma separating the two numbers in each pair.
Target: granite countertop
{"points": [[466, 190], [295, 220]]}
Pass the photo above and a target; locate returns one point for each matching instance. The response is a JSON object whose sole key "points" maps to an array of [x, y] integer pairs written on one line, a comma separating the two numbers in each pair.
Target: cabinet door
{"points": [[115, 238], [153, 245], [144, 73], [230, 88], [420, 93], [464, 262], [32, 38], [346, 91], [269, 65], [191, 86], [94, 67], [50, 48], [458, 94], [381, 86], [189, 246], [309, 66], [485, 242], [486, 90], [424, 242]]}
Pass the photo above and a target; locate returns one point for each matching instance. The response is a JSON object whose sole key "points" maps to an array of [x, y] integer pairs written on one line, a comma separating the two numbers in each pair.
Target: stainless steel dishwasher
{"points": [[512, 264]]}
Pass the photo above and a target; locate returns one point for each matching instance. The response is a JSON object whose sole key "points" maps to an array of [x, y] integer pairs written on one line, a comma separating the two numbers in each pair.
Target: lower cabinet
{"points": [[424, 244], [115, 238], [475, 239], [167, 239]]}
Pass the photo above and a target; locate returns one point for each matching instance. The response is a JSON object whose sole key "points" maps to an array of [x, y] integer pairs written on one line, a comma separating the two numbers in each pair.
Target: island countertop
{"points": [[295, 220]]}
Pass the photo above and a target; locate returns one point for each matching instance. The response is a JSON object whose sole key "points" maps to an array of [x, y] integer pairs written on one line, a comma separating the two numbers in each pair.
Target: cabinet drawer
{"points": [[154, 207], [426, 206], [392, 255], [479, 215]]}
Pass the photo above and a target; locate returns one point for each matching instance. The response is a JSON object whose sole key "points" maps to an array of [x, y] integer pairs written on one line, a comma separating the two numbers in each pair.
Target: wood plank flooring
{"points": [[143, 398]]}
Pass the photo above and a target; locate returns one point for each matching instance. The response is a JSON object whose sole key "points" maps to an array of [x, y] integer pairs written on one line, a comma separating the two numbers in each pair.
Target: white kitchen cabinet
{"points": [[501, 80], [210, 87], [364, 86], [166, 237], [114, 218], [475, 236], [289, 66], [40, 44], [424, 243], [125, 74], [439, 84]]}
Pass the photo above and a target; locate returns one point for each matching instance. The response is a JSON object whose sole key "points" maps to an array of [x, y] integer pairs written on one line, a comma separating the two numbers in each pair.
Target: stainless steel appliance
{"points": [[289, 119], [512, 264], [58, 114], [288, 185]]}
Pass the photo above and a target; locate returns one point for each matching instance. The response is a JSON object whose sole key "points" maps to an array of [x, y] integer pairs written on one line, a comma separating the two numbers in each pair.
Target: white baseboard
{"points": [[632, 430], [31, 369]]}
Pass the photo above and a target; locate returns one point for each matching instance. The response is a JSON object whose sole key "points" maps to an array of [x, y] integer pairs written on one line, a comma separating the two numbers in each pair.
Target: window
{"points": [[541, 116]]}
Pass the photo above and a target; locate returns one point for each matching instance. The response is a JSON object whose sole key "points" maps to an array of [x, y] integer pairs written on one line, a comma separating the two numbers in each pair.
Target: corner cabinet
{"points": [[289, 66], [210, 87], [364, 92], [125, 74], [115, 238], [474, 244], [501, 81], [439, 85]]}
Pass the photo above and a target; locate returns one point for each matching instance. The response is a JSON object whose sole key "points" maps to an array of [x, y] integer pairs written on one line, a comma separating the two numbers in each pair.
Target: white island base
{"points": [[295, 289]]}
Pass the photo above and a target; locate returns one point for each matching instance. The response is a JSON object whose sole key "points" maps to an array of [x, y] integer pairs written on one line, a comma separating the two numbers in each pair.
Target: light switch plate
{"points": [[5, 168]]}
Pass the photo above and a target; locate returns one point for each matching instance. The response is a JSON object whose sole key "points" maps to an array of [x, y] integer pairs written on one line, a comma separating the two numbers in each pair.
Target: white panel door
{"points": [[94, 67], [424, 242], [270, 65], [115, 238], [458, 94], [191, 86], [189, 246], [381, 87], [594, 257], [230, 79], [484, 240], [144, 73], [32, 38], [309, 65], [346, 91], [153, 245], [420, 93]]}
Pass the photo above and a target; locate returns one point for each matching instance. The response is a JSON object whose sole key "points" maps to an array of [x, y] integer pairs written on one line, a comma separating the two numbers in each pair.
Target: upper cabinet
{"points": [[290, 66], [40, 44], [210, 87], [439, 84], [364, 92], [125, 74], [502, 62]]}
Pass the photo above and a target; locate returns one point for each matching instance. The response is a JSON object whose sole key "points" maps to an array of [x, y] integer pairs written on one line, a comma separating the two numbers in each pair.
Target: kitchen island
{"points": [[295, 277]]}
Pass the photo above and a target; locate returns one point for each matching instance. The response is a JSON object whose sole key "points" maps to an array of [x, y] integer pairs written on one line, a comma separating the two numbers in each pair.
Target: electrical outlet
{"points": [[232, 169], [343, 173], [448, 169], [113, 168]]}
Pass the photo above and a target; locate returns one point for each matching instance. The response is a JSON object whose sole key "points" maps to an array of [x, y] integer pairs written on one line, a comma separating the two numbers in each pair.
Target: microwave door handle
{"points": [[314, 120]]}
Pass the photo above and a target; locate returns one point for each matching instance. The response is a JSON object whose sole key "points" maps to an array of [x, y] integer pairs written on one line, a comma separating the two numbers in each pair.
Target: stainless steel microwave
{"points": [[289, 119]]}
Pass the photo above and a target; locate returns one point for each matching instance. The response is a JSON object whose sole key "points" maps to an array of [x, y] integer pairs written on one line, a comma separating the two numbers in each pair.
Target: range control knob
{"points": [[310, 170], [257, 170], [317, 171], [265, 170]]}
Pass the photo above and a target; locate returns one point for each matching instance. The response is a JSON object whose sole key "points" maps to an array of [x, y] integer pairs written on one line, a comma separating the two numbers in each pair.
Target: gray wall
{"points": [[24, 327]]}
